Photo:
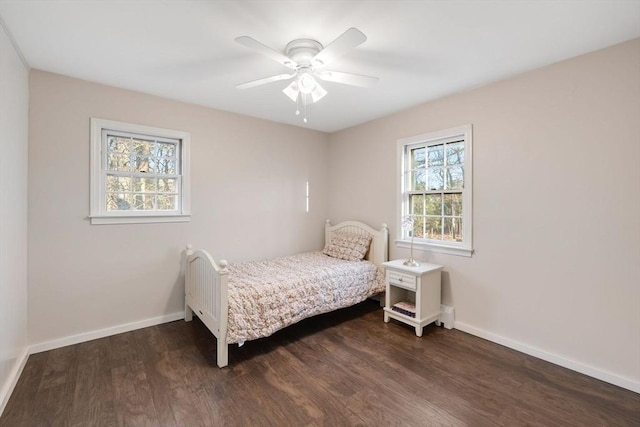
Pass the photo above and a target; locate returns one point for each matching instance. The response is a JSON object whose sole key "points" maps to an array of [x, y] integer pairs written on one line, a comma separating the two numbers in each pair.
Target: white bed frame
{"points": [[206, 281]]}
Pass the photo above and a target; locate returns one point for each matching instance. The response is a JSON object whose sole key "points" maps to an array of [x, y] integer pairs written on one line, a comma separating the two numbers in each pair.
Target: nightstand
{"points": [[414, 291]]}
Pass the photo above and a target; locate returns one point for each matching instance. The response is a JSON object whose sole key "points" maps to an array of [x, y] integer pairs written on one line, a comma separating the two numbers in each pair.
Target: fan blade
{"points": [[348, 40], [267, 51], [347, 78], [259, 82]]}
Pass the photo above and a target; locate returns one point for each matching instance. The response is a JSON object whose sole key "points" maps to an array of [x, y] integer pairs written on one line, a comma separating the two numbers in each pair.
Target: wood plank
{"points": [[22, 404], [93, 400], [133, 399], [57, 387], [342, 368]]}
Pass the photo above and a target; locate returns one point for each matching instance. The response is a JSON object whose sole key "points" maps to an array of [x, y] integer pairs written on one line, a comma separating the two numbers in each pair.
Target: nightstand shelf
{"points": [[418, 285]]}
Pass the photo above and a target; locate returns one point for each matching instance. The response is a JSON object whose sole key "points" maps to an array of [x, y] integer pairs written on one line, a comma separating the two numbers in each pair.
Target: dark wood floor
{"points": [[344, 368]]}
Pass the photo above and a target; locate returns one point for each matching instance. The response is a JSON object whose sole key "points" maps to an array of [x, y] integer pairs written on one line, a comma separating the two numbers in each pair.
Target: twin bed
{"points": [[246, 301]]}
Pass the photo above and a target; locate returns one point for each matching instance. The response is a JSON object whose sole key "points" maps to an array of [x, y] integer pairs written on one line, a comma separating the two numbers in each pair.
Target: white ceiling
{"points": [[420, 50]]}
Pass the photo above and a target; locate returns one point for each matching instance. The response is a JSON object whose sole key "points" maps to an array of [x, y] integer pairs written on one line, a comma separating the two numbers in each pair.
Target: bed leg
{"points": [[223, 353], [188, 313]]}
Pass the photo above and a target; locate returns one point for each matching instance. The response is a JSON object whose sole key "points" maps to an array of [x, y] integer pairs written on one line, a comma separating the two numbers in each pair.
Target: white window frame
{"points": [[464, 248], [98, 211]]}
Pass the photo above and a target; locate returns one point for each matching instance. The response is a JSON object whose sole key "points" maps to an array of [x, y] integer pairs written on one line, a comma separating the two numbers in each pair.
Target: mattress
{"points": [[266, 296]]}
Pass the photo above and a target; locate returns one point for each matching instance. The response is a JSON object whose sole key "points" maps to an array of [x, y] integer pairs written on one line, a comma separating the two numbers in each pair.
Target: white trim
{"points": [[464, 248], [101, 333], [98, 213], [12, 379], [139, 219], [445, 135], [432, 247], [556, 359]]}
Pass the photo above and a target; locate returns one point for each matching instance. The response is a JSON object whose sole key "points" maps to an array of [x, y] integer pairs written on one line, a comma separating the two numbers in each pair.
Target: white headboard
{"points": [[379, 249]]}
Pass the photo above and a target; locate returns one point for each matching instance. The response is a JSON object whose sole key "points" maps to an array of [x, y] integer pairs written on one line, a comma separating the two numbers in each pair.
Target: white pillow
{"points": [[348, 246]]}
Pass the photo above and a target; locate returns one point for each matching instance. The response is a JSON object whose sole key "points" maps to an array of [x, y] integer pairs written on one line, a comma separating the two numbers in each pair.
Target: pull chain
{"points": [[304, 104]]}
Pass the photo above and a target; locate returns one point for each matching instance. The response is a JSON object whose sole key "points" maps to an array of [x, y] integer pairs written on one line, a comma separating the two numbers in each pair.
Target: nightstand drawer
{"points": [[405, 281]]}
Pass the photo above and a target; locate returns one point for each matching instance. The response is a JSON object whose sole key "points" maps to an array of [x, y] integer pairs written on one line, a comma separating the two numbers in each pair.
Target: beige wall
{"points": [[556, 216], [248, 201], [556, 207], [14, 97]]}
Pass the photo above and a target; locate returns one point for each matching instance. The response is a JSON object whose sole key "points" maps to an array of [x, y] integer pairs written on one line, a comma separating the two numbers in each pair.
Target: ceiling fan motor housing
{"points": [[302, 51]]}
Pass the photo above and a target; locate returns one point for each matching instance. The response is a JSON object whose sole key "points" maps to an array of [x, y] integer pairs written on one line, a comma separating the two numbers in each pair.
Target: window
{"points": [[138, 173], [436, 191]]}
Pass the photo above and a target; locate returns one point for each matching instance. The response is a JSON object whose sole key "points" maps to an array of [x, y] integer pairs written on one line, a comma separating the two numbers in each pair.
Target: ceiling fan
{"points": [[307, 59]]}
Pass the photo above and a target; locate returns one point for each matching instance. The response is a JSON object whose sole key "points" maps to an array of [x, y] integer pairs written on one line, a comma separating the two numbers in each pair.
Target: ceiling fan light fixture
{"points": [[306, 83], [292, 91], [317, 93]]}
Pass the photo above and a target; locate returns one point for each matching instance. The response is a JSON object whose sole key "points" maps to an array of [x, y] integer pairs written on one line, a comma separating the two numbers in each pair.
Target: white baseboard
{"points": [[12, 380], [609, 377], [101, 333]]}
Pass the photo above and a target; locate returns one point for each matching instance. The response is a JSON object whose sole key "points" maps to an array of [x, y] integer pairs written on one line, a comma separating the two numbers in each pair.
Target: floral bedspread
{"points": [[266, 296]]}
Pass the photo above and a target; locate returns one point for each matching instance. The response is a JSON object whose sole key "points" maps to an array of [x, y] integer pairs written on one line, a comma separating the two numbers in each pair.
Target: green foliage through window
{"points": [[434, 183]]}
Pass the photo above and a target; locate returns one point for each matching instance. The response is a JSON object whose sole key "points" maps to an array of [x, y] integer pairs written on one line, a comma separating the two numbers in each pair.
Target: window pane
{"points": [[417, 180], [118, 162], [144, 185], [417, 158], [118, 202], [433, 228], [163, 149], [455, 153], [142, 147], [435, 179], [436, 155], [453, 229], [167, 202], [418, 226], [453, 204], [434, 204], [167, 185], [164, 166], [141, 164], [119, 145], [118, 184], [144, 202], [455, 178], [417, 204], [153, 165]]}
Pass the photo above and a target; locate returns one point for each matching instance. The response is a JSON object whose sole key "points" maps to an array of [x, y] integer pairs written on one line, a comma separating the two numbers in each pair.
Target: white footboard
{"points": [[206, 294]]}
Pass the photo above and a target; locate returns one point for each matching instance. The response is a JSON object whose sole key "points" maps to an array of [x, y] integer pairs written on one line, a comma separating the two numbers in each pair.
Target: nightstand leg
{"points": [[419, 331], [386, 318]]}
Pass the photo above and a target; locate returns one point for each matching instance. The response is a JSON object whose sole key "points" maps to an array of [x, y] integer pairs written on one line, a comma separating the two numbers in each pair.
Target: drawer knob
{"points": [[400, 279]]}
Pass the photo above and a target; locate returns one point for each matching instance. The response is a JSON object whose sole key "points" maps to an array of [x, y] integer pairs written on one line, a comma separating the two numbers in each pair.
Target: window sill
{"points": [[433, 247], [142, 219]]}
